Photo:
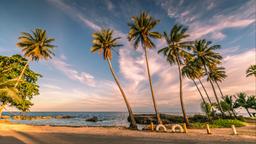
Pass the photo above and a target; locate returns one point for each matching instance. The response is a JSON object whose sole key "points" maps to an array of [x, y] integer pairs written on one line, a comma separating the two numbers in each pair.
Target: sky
{"points": [[77, 80]]}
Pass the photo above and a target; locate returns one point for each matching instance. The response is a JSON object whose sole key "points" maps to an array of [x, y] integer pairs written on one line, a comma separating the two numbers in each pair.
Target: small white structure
{"points": [[177, 128], [161, 126], [234, 130]]}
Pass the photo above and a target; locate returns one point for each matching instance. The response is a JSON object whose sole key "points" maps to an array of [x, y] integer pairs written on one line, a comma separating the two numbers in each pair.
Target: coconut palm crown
{"points": [[217, 74], [103, 42], [36, 46], [251, 71], [141, 30]]}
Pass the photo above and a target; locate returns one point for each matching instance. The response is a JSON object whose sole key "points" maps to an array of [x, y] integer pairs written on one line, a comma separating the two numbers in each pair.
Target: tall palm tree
{"points": [[141, 33], [242, 101], [204, 54], [103, 42], [176, 52], [251, 71], [35, 46], [217, 74], [192, 72], [231, 103]]}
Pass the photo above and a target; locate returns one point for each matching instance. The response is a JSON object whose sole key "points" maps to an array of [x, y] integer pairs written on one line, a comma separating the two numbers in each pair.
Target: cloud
{"points": [[73, 74], [50, 86], [74, 13], [202, 23]]}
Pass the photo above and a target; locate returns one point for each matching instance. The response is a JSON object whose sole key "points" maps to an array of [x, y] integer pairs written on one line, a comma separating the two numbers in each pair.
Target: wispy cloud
{"points": [[74, 13], [203, 24], [51, 86], [73, 74]]}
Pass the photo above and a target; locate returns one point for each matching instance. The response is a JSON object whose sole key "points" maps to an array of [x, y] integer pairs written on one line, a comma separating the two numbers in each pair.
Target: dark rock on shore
{"points": [[92, 119], [166, 118]]}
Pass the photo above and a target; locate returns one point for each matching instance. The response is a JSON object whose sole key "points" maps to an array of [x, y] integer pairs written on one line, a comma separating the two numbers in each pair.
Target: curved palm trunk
{"points": [[2, 107], [21, 74], [181, 95], [248, 112], [234, 113], [205, 92], [133, 124], [199, 92], [151, 88], [214, 91], [219, 88]]}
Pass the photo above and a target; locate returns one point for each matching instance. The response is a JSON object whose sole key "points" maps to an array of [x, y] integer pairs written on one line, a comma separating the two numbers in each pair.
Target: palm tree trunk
{"points": [[181, 95], [248, 112], [21, 74], [205, 92], [214, 91], [229, 113], [219, 88], [2, 108], [133, 124], [199, 92], [151, 88], [233, 111]]}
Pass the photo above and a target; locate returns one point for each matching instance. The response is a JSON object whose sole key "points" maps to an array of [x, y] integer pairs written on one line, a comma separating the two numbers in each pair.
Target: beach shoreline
{"points": [[22, 133]]}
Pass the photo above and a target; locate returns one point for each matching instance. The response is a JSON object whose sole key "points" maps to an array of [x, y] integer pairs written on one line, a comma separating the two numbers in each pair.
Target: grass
{"points": [[220, 123]]}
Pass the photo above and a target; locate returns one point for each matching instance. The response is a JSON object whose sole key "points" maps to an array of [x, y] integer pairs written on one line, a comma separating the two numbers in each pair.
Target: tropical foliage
{"points": [[25, 90]]}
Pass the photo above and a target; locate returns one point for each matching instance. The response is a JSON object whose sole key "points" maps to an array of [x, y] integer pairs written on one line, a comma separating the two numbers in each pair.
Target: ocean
{"points": [[78, 118]]}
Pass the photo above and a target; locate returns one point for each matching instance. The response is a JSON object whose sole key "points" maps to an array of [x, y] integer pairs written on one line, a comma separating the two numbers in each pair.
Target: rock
{"points": [[148, 118], [5, 117], [92, 119], [64, 117]]}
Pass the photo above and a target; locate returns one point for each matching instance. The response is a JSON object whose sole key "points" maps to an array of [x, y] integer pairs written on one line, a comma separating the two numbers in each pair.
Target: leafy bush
{"points": [[198, 118]]}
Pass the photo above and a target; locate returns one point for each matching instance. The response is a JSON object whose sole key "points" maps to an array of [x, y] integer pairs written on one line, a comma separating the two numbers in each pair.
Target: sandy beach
{"points": [[20, 134]]}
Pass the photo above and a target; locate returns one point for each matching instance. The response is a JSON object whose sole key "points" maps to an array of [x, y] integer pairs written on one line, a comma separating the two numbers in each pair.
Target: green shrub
{"points": [[198, 118], [198, 125], [226, 123]]}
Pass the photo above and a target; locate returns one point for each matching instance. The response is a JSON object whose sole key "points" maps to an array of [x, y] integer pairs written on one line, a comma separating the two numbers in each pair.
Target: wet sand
{"points": [[26, 134]]}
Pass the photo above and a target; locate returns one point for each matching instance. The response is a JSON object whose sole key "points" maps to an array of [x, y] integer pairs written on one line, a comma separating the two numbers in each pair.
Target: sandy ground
{"points": [[26, 134]]}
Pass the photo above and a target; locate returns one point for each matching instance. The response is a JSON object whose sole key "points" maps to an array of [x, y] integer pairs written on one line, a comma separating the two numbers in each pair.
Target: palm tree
{"points": [[251, 71], [176, 52], [35, 46], [103, 42], [242, 101], [217, 74], [141, 33], [231, 103], [204, 54], [252, 102], [192, 72]]}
